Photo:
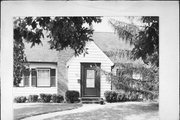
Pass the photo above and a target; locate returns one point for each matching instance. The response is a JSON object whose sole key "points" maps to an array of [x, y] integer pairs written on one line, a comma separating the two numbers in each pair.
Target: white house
{"points": [[56, 72]]}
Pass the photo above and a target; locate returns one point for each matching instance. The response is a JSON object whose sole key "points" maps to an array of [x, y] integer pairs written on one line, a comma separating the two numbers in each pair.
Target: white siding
{"points": [[95, 55], [25, 91]]}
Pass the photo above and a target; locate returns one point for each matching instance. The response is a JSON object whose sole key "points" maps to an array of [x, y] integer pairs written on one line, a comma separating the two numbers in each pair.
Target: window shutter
{"points": [[34, 77], [53, 77], [26, 77]]}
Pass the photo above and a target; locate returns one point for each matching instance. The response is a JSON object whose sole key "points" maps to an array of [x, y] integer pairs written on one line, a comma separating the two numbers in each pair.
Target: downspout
{"points": [[111, 71]]}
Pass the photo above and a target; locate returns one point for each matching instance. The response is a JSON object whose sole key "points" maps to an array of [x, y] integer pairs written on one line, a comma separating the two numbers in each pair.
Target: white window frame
{"points": [[38, 75], [137, 74]]}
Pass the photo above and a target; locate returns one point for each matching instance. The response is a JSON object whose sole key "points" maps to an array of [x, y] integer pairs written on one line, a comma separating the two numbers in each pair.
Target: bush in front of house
{"points": [[120, 97], [56, 98], [32, 98], [72, 96], [114, 96], [20, 99], [46, 98], [111, 96]]}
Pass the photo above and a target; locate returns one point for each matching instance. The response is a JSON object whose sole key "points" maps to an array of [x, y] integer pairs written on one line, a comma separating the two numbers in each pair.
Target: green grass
{"points": [[38, 109], [130, 111]]}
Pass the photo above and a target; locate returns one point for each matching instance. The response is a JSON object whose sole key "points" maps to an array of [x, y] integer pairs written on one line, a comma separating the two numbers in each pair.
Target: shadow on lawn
{"points": [[141, 108], [149, 110]]}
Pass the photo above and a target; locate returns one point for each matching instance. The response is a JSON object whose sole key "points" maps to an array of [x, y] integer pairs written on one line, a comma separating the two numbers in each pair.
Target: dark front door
{"points": [[90, 80]]}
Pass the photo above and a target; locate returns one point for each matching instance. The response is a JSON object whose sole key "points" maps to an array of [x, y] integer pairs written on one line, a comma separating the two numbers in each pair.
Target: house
{"points": [[58, 71]]}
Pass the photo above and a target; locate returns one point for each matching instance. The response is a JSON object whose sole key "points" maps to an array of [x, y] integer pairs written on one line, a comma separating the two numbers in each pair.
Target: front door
{"points": [[90, 80]]}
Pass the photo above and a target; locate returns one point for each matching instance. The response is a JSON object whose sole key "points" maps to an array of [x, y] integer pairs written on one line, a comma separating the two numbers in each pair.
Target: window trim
{"points": [[140, 75], [23, 80], [49, 69]]}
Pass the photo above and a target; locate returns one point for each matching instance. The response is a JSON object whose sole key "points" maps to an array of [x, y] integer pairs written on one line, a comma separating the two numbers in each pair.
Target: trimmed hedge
{"points": [[32, 98], [57, 98], [121, 97], [46, 98], [20, 99], [111, 96], [72, 96], [114, 96]]}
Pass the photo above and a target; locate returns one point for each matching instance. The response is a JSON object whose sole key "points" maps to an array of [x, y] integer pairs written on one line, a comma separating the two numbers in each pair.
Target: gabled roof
{"points": [[93, 47], [42, 53]]}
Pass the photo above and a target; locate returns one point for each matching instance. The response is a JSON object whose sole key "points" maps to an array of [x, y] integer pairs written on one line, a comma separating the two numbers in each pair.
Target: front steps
{"points": [[91, 100]]}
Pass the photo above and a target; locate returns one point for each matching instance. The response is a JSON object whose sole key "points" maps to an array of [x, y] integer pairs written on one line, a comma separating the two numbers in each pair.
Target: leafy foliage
{"points": [[145, 38], [57, 98], [115, 96], [72, 96], [32, 98], [46, 98], [148, 86], [63, 32], [19, 62], [20, 99], [120, 55], [111, 96]]}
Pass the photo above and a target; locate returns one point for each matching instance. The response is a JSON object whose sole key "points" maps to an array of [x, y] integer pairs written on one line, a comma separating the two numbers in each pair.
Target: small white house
{"points": [[56, 72], [83, 77]]}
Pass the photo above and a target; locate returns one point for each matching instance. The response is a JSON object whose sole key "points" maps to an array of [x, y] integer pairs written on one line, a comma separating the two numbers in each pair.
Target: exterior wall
{"points": [[63, 57], [135, 75], [95, 55], [25, 91]]}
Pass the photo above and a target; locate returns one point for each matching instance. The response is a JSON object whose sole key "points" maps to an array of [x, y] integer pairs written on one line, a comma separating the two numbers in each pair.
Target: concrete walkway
{"points": [[84, 108]]}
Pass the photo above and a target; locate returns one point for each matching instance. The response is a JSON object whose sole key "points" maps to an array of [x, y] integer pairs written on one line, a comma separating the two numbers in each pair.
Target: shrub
{"points": [[72, 96], [120, 97], [102, 101], [32, 98], [45, 98], [111, 96], [114, 96], [134, 97], [21, 99], [57, 98]]}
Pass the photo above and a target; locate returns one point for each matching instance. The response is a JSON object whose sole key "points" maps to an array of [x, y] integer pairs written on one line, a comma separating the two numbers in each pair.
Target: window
{"points": [[43, 77], [90, 79], [137, 76], [25, 79]]}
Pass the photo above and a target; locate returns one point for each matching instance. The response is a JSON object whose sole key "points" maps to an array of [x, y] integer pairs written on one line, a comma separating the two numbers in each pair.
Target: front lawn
{"points": [[124, 111], [38, 109]]}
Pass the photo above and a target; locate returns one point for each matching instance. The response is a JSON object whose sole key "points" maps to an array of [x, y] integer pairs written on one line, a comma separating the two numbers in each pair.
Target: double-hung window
{"points": [[43, 78]]}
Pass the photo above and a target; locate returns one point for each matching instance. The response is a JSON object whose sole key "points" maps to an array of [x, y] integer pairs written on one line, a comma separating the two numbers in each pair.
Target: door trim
{"points": [[81, 81]]}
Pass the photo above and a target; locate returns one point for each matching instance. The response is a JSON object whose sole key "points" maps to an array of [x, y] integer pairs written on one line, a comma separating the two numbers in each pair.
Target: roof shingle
{"points": [[42, 53]]}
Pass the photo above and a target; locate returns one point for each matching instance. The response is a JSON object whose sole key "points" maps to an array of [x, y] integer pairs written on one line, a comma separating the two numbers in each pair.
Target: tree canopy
{"points": [[145, 38], [63, 32]]}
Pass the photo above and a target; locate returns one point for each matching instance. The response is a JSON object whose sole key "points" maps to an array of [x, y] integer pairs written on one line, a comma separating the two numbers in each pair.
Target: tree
{"points": [[145, 38], [63, 32], [147, 87]]}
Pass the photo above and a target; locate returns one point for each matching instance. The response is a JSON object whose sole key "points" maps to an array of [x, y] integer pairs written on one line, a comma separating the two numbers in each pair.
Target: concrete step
{"points": [[90, 100]]}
